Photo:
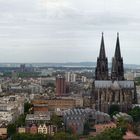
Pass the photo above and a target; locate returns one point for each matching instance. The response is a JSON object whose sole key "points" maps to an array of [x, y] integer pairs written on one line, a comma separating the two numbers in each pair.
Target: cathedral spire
{"points": [[102, 54], [101, 71], [117, 63], [117, 51]]}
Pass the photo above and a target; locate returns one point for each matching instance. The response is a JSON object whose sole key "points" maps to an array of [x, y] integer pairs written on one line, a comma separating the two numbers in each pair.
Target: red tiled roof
{"points": [[130, 136]]}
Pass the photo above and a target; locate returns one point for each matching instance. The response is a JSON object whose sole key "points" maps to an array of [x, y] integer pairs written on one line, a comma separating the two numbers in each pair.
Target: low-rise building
{"points": [[21, 130], [47, 129], [55, 103], [75, 119], [35, 88], [33, 129], [37, 118], [43, 129], [3, 133], [10, 108]]}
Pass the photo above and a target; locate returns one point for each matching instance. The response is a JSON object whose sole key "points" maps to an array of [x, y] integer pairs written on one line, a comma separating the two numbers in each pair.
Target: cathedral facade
{"points": [[112, 89]]}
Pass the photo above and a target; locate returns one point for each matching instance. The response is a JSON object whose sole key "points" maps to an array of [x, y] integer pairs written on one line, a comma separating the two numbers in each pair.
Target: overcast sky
{"points": [[68, 30]]}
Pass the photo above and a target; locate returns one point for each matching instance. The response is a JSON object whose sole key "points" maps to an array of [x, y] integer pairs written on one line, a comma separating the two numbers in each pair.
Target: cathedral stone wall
{"points": [[113, 89], [121, 93]]}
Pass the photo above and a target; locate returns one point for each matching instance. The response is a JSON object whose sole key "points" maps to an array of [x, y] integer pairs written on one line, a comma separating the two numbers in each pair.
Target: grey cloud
{"points": [[55, 33]]}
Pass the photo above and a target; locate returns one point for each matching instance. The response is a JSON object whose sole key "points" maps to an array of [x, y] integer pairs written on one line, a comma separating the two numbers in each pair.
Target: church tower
{"points": [[117, 72], [101, 72]]}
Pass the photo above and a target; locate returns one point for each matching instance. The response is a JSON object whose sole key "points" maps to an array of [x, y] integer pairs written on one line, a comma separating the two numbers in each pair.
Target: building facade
{"points": [[60, 85], [37, 118], [52, 104], [75, 119], [101, 71], [112, 89], [47, 129]]}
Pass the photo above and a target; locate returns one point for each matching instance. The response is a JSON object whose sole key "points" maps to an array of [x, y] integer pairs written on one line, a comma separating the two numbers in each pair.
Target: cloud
{"points": [[54, 3], [56, 30]]}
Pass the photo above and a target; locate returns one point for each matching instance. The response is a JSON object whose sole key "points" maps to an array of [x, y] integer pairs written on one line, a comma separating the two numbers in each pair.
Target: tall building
{"points": [[113, 90], [70, 77], [117, 72], [101, 71], [73, 77], [67, 76], [22, 68], [60, 85]]}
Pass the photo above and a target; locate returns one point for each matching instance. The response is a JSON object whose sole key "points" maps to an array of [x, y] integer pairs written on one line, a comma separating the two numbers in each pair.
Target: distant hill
{"points": [[68, 64]]}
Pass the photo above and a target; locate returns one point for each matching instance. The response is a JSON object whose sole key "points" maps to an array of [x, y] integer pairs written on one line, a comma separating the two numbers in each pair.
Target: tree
{"points": [[109, 134], [58, 136], [135, 113], [64, 136], [20, 121], [114, 109], [28, 74], [122, 124], [86, 128], [137, 81], [69, 130], [56, 120], [11, 129], [50, 85], [25, 136], [27, 107]]}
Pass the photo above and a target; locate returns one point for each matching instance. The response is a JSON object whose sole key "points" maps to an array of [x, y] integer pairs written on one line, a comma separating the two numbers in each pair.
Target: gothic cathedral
{"points": [[112, 89]]}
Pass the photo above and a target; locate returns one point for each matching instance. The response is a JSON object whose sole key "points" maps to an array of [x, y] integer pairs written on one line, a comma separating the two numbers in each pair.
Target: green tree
{"points": [[69, 131], [135, 113], [50, 85], [109, 134], [86, 128], [64, 136], [11, 129], [58, 136], [137, 81], [20, 121], [27, 107], [114, 109], [56, 120], [25, 136], [29, 74], [122, 124]]}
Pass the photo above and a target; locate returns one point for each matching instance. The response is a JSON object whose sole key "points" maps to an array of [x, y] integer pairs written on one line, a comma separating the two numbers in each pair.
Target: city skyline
{"points": [[68, 30]]}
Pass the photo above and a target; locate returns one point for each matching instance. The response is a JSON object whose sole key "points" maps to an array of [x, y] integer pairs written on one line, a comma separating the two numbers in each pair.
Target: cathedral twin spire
{"points": [[117, 71], [102, 54], [101, 72], [117, 50]]}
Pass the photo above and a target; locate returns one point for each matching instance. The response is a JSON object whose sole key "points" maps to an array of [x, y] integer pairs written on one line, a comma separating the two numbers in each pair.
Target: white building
{"points": [[44, 129], [84, 79], [11, 107], [35, 88], [70, 77], [73, 77], [129, 76], [136, 74], [138, 93]]}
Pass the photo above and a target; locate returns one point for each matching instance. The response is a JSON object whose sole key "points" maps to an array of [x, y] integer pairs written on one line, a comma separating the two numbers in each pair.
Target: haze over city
{"points": [[68, 30], [69, 69]]}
